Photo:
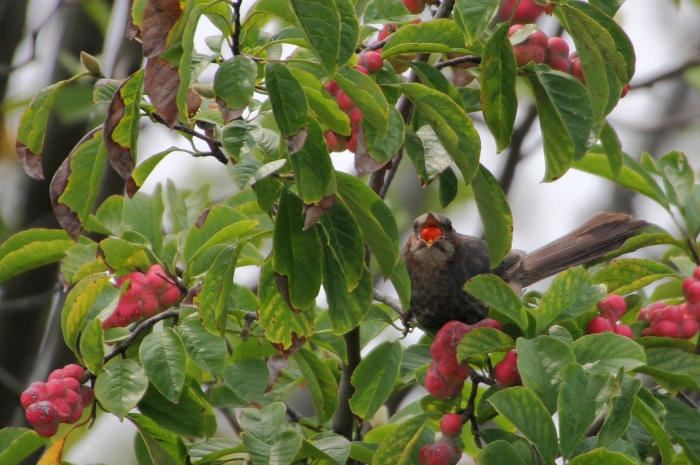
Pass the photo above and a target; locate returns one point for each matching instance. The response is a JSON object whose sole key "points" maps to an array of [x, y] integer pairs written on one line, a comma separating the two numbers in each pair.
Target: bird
{"points": [[439, 261]]}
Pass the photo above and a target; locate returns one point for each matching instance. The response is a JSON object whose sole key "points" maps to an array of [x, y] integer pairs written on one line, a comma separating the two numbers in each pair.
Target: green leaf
{"points": [[163, 447], [119, 253], [452, 125], [498, 72], [75, 185], [627, 275], [500, 297], [30, 249], [289, 105], [322, 104], [207, 450], [474, 17], [678, 177], [346, 307], [16, 444], [81, 260], [374, 379], [427, 154], [618, 417], [397, 447], [238, 139], [432, 77], [673, 368], [281, 325], [297, 254], [482, 341], [600, 456], [92, 345], [32, 128], [613, 148], [683, 422], [498, 453], [143, 213], [141, 173], [581, 397], [385, 10], [653, 424], [234, 84], [216, 289], [164, 360], [448, 187], [265, 443], [374, 218], [344, 238], [187, 416], [438, 35], [366, 94], [539, 361], [120, 386], [206, 349], [320, 21], [321, 384], [495, 215], [78, 304], [248, 378], [349, 30], [691, 212], [382, 147], [313, 169], [608, 352], [632, 175], [121, 129], [522, 408]]}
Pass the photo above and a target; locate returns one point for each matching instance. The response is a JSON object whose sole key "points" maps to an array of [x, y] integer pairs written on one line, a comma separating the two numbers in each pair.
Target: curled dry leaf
{"points": [[313, 212], [159, 17], [161, 84]]}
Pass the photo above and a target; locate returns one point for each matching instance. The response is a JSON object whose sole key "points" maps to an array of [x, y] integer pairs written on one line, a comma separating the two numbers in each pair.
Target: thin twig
{"points": [[138, 330], [214, 144], [515, 153], [458, 61], [236, 45], [673, 72], [389, 301]]}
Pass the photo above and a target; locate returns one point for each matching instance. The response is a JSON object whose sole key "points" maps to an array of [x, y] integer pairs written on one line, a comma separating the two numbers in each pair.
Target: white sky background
{"points": [[663, 35]]}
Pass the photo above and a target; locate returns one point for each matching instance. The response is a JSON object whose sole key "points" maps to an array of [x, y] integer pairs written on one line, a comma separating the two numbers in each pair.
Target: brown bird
{"points": [[440, 260]]}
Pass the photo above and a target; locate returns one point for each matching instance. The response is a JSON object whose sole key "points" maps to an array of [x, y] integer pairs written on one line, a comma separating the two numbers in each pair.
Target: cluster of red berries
{"points": [[610, 310], [446, 451], [59, 400], [527, 11], [506, 371], [677, 321], [445, 377], [148, 294]]}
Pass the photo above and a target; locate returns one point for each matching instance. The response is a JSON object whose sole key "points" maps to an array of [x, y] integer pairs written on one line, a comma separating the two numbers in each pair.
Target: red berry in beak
{"points": [[430, 234]]}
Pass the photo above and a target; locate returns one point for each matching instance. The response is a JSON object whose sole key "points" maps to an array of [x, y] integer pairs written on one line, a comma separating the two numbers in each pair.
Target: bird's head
{"points": [[431, 243]]}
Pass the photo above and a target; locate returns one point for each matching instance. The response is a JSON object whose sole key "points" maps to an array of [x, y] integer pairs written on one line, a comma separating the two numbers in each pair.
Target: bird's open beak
{"points": [[431, 230]]}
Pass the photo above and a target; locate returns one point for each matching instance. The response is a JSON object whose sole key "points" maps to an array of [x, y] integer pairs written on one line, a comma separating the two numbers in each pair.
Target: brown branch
{"points": [[138, 330], [458, 61], [236, 46], [214, 144], [671, 73], [515, 153]]}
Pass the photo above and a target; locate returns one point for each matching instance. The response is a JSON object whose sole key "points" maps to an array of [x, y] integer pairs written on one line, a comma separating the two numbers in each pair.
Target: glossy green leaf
{"points": [[92, 345], [474, 17], [385, 10], [432, 77], [397, 447], [346, 307], [427, 153], [104, 90], [344, 238], [581, 398], [383, 147], [653, 424], [632, 175], [120, 386], [187, 416], [30, 249], [349, 30], [683, 422], [626, 275], [249, 171], [452, 125], [297, 254], [16, 444], [312, 166], [366, 95], [678, 177], [248, 378], [75, 184], [238, 139], [78, 303], [539, 361], [438, 35], [163, 447], [374, 218], [673, 368], [206, 349], [289, 105], [143, 213], [142, 171], [121, 129], [572, 293], [321, 384], [498, 72], [322, 104], [618, 417], [612, 149], [234, 84], [164, 359], [500, 297], [498, 453], [374, 379], [32, 129], [691, 212], [119, 253], [281, 324], [495, 215], [608, 352], [522, 408], [81, 260], [448, 187], [600, 456], [320, 22], [216, 289], [482, 341], [206, 450]]}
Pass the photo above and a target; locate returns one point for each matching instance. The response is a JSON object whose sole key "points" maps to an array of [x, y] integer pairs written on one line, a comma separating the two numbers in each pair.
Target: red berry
{"points": [[170, 297], [624, 91], [386, 31], [557, 48], [41, 413], [533, 49], [414, 6], [599, 325], [55, 389], [430, 234], [47, 431], [435, 383], [696, 273], [355, 116], [664, 329], [451, 425], [506, 371], [372, 60], [36, 392], [688, 328], [63, 410], [576, 69], [487, 323], [423, 454], [72, 398], [612, 307], [74, 371], [527, 12], [447, 366], [362, 69], [344, 101], [352, 143], [623, 330], [441, 454], [335, 142], [75, 414], [692, 292], [57, 374], [332, 87], [87, 395]]}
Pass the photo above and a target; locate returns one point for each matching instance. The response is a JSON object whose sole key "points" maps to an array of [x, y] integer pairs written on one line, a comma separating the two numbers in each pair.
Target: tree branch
{"points": [[236, 46], [691, 63], [515, 153], [214, 144], [138, 330]]}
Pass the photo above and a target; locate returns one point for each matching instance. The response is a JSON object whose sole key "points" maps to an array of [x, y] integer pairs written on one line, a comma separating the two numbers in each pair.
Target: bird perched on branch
{"points": [[440, 260]]}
